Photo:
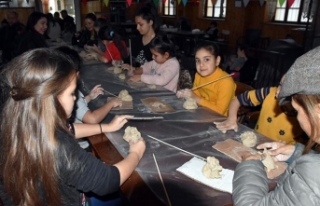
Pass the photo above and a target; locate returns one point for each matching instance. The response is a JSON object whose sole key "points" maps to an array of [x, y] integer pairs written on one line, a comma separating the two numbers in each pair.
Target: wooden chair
{"points": [[241, 88]]}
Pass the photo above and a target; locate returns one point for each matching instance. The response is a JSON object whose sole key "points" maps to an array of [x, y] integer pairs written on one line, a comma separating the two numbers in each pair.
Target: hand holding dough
{"points": [[131, 134], [268, 161]]}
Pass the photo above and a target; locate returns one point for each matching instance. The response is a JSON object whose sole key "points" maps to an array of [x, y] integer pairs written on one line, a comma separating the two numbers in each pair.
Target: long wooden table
{"points": [[190, 130]]}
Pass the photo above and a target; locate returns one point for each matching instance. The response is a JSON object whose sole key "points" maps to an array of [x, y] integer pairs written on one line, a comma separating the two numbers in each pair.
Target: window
{"points": [[297, 13], [169, 8], [216, 11]]}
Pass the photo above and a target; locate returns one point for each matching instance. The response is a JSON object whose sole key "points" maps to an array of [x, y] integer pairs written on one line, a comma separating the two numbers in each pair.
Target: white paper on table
{"points": [[193, 169]]}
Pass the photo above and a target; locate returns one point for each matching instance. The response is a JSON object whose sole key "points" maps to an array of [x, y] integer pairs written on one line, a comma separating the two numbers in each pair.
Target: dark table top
{"points": [[191, 130]]}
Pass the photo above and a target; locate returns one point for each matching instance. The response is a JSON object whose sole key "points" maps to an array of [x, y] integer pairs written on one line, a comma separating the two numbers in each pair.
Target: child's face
{"points": [[159, 58], [67, 97], [206, 62], [89, 24]]}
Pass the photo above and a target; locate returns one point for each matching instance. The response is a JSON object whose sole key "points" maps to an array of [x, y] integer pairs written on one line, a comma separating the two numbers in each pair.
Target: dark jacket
{"points": [[88, 37], [28, 41]]}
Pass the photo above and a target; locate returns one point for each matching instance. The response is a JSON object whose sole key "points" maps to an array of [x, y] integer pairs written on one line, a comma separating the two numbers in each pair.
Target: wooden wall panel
{"points": [[23, 13]]}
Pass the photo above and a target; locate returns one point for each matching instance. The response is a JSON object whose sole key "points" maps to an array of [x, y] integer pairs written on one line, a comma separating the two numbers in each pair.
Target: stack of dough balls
{"points": [[131, 134], [268, 161], [249, 139], [190, 103], [125, 96], [212, 168]]}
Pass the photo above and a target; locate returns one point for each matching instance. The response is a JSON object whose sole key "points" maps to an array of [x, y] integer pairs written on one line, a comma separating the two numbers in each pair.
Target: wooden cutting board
{"points": [[152, 102], [233, 149], [125, 105]]}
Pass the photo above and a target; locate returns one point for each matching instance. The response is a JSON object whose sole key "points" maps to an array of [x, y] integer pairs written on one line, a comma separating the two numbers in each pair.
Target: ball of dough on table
{"points": [[212, 168], [131, 134], [190, 103], [83, 54], [117, 70], [125, 96], [152, 86], [249, 139], [122, 76]]}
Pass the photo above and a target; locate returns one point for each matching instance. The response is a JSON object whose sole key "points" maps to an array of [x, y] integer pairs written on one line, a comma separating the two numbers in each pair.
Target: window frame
{"points": [[205, 8], [285, 21], [170, 5]]}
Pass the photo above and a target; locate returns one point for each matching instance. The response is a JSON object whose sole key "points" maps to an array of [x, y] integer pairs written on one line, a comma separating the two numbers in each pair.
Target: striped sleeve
{"points": [[253, 97]]}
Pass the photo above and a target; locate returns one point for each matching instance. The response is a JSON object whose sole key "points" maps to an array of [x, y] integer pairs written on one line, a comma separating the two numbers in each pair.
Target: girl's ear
{"points": [[218, 59], [166, 55], [151, 22]]}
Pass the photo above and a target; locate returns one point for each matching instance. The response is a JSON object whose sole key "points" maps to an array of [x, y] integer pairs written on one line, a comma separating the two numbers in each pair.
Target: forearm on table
{"points": [[102, 58], [96, 116], [138, 70], [86, 130], [127, 165], [233, 109]]}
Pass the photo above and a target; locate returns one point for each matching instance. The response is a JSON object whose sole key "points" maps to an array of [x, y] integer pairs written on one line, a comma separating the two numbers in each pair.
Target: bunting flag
{"points": [[261, 2], [156, 2], [129, 2], [245, 2], [84, 1], [106, 2], [213, 2], [164, 2], [290, 2], [179, 1], [184, 2], [281, 2]]}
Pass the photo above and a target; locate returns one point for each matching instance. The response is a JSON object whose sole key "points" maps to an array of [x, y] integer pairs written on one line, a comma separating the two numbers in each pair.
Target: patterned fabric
{"points": [[185, 80]]}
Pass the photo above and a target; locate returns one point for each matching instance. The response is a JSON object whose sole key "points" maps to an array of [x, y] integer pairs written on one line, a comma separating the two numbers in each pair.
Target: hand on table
{"points": [[229, 124], [116, 102], [118, 121], [95, 92], [135, 78], [278, 150], [92, 55], [129, 68], [186, 93]]}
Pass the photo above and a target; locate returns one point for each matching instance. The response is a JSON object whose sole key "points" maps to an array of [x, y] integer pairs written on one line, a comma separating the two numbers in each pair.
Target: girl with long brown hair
{"points": [[41, 163]]}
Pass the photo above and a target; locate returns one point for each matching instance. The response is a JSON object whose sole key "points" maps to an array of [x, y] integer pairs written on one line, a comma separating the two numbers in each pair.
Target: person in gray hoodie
{"points": [[300, 184]]}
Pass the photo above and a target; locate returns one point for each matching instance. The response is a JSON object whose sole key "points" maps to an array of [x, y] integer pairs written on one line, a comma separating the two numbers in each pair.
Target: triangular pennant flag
{"points": [[156, 2], [179, 1], [84, 1], [214, 2], [195, 1], [290, 2], [281, 2], [245, 2], [129, 2], [261, 2], [164, 2], [106, 2], [184, 2]]}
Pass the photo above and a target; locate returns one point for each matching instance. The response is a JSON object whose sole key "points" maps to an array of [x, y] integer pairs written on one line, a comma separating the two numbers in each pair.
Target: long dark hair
{"points": [[33, 19], [148, 12], [30, 118], [163, 44], [108, 34]]}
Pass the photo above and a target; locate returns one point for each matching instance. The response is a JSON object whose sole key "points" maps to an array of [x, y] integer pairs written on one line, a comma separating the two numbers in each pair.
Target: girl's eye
{"points": [[197, 61], [207, 59]]}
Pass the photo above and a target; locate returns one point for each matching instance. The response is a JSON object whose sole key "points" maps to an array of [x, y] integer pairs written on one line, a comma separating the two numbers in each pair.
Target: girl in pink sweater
{"points": [[163, 70]]}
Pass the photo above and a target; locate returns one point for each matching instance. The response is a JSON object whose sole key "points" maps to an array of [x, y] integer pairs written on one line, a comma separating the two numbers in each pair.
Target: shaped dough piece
{"points": [[122, 76], [117, 70], [158, 104], [212, 168], [249, 139], [83, 54], [131, 134], [152, 86], [190, 103], [125, 96], [268, 161]]}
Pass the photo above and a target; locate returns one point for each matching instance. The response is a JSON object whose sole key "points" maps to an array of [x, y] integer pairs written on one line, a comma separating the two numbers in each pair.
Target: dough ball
{"points": [[157, 104], [122, 76], [268, 161], [152, 86], [111, 68], [117, 70], [125, 96], [249, 139], [131, 134], [83, 54], [212, 168], [190, 103]]}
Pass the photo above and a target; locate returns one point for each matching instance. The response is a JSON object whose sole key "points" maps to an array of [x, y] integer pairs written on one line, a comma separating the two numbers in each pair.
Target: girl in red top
{"points": [[116, 49]]}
